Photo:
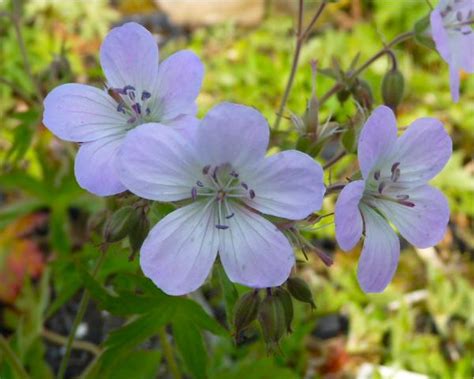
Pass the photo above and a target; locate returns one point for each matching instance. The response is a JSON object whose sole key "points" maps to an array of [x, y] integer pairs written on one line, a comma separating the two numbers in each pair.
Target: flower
{"points": [[138, 91], [223, 170], [394, 189], [451, 28]]}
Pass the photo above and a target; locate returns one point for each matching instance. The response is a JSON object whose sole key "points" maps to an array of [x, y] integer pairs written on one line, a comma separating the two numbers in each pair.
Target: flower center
{"points": [[135, 107], [222, 184], [383, 187], [458, 17]]}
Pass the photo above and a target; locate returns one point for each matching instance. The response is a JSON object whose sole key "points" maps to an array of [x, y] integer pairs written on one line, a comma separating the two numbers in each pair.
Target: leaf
{"points": [[23, 134], [59, 230], [194, 313], [191, 346], [17, 180]]}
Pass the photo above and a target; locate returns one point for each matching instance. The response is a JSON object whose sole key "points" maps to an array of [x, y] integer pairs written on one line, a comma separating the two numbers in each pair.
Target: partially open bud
{"points": [[245, 311], [272, 319], [422, 34], [285, 298], [138, 233], [363, 94], [392, 88], [300, 290], [120, 224]]}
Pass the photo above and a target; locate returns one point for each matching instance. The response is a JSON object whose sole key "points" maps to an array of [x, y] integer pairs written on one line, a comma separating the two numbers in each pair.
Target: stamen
{"points": [[194, 193], [244, 185], [137, 108], [403, 197], [214, 174], [234, 174], [131, 95], [127, 88], [395, 175], [148, 111], [395, 166], [205, 169], [377, 175], [199, 184], [252, 193], [222, 227], [120, 107], [406, 203], [145, 95], [230, 216], [381, 187], [131, 120]]}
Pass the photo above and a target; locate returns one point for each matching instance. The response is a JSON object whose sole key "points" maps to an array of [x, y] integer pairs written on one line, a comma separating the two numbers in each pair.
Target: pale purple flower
{"points": [[224, 172], [394, 189], [138, 91], [451, 27]]}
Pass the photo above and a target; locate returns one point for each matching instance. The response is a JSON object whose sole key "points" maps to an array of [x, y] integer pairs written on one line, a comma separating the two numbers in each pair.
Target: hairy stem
{"points": [[385, 50], [12, 359], [301, 36], [335, 188], [168, 352], [58, 339], [79, 316]]}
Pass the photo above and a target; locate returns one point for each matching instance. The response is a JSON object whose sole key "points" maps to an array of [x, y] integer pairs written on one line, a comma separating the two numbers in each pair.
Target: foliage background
{"points": [[423, 322]]}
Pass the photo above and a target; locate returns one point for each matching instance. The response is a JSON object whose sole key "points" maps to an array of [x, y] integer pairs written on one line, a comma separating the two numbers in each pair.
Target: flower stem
{"points": [[79, 316], [385, 50], [334, 188], [58, 339], [301, 37], [168, 352], [12, 359]]}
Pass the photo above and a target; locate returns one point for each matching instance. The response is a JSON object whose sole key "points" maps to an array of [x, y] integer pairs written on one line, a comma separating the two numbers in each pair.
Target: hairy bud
{"points": [[271, 316], [285, 299], [392, 88], [300, 290], [363, 94], [120, 224], [138, 233], [245, 311]]}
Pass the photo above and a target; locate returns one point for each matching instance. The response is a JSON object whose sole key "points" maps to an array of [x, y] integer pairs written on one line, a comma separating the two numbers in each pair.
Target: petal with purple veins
{"points": [[377, 138], [96, 166], [233, 133], [157, 163], [129, 56], [423, 224], [348, 220], [179, 252], [253, 251], [288, 184], [379, 258], [81, 113]]}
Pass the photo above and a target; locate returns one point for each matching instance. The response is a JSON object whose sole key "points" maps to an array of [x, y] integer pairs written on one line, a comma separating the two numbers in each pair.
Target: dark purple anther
{"points": [[459, 16], [244, 185], [406, 203], [377, 175], [252, 193], [137, 108], [229, 216], [395, 166], [194, 193], [120, 108], [145, 95], [381, 187], [214, 174], [199, 184], [128, 88], [234, 174], [131, 120], [403, 197], [222, 227], [131, 95], [205, 169]]}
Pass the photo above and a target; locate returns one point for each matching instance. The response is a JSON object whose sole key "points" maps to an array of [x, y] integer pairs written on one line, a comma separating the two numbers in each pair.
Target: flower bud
{"points": [[300, 290], [392, 88], [271, 316], [245, 311], [363, 94], [285, 299], [120, 223], [343, 95], [138, 233]]}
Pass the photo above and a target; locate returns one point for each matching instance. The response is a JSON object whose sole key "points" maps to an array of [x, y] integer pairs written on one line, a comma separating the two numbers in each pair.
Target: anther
{"points": [[229, 216], [403, 197], [194, 193], [252, 193], [406, 203], [234, 174], [127, 88], [459, 16], [137, 108], [199, 184], [205, 169], [120, 108], [381, 187], [222, 227], [145, 95], [244, 185], [395, 175], [377, 175], [131, 95], [148, 111]]}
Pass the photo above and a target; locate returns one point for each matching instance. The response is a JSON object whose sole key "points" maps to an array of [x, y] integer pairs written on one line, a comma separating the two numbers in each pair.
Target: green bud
{"points": [[421, 33], [308, 146], [138, 233], [300, 290], [271, 316], [348, 140], [392, 88], [120, 223], [311, 116], [245, 310], [285, 298], [343, 95], [363, 94]]}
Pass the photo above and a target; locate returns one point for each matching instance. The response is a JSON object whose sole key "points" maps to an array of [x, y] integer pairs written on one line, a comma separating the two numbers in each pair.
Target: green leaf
{"points": [[59, 233], [191, 346], [17, 180], [194, 313]]}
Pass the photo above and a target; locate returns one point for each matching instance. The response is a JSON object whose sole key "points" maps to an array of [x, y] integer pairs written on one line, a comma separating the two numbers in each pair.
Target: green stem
{"points": [[79, 316], [13, 359], [168, 352], [385, 50], [301, 37]]}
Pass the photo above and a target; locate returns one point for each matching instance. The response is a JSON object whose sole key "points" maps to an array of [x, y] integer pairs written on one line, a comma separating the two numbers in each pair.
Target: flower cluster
{"points": [[140, 134]]}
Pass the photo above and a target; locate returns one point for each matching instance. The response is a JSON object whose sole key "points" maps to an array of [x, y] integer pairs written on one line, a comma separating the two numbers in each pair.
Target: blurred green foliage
{"points": [[423, 322]]}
